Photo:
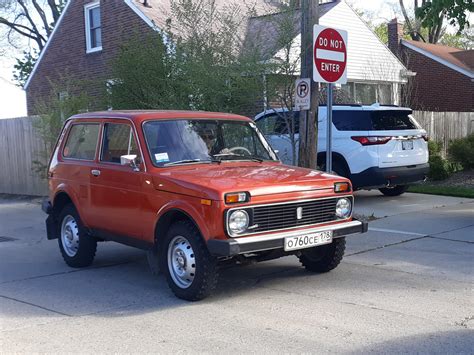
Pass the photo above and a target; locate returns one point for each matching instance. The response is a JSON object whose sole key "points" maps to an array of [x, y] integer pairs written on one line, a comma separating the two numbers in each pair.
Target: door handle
{"points": [[95, 172]]}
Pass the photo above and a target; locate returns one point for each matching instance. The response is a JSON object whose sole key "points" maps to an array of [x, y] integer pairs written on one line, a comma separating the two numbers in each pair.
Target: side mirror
{"points": [[130, 160]]}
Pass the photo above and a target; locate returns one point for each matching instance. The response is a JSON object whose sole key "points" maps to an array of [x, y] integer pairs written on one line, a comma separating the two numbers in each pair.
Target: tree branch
{"points": [[54, 10], [43, 17], [33, 25], [21, 30], [413, 33]]}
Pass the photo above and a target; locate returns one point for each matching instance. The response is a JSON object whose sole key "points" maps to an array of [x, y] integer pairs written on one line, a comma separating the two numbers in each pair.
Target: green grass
{"points": [[442, 190]]}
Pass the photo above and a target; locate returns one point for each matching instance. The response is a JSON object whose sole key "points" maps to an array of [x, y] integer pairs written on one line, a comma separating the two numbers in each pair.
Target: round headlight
{"points": [[238, 221], [343, 208]]}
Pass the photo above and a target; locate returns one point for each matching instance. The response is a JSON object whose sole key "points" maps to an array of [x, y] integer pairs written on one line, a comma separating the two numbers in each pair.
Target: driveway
{"points": [[405, 286]]}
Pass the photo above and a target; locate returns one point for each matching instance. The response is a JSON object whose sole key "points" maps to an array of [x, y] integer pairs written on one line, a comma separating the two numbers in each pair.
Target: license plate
{"points": [[308, 240], [407, 145]]}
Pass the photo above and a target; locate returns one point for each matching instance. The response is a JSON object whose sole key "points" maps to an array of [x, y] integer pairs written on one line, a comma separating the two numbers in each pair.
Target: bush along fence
{"points": [[21, 146]]}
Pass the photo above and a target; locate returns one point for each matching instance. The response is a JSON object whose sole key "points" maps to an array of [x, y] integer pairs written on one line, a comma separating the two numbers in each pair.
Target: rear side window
{"points": [[393, 120], [351, 120], [373, 120], [82, 141], [279, 123], [118, 140]]}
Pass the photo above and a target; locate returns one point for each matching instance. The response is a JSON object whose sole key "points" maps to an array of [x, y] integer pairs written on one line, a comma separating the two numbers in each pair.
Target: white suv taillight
{"points": [[371, 140]]}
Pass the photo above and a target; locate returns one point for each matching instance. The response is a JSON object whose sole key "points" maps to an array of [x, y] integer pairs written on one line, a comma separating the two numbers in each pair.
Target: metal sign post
{"points": [[329, 130]]}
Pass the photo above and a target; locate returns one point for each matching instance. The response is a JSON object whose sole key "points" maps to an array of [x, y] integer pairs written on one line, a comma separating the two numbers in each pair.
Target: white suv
{"points": [[375, 146]]}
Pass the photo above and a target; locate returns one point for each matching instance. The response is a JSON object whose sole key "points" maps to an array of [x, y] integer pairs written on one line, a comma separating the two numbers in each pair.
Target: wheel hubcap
{"points": [[181, 262], [70, 236]]}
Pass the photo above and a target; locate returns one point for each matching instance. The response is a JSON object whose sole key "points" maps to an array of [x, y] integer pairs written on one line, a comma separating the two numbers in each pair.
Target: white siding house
{"points": [[374, 73]]}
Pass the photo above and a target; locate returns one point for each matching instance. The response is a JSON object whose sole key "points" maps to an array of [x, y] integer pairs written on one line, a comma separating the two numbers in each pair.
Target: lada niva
{"points": [[194, 189]]}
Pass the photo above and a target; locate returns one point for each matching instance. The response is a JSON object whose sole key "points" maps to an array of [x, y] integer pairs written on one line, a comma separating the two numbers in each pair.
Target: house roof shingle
{"points": [[463, 59]]}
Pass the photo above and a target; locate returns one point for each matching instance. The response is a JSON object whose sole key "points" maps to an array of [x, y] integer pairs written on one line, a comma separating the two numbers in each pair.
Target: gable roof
{"points": [[457, 59], [262, 31]]}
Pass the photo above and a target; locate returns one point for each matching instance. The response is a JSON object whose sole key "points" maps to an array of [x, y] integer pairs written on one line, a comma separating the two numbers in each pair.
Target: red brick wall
{"points": [[66, 54], [436, 87]]}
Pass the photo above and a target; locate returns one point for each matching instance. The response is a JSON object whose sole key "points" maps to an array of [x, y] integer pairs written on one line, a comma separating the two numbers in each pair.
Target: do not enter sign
{"points": [[330, 55]]}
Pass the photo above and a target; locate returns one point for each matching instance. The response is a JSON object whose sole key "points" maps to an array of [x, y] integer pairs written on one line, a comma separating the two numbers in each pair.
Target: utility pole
{"points": [[309, 119]]}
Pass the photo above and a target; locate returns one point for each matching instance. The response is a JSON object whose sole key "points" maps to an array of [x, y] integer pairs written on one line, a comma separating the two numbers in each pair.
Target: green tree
{"points": [[52, 114], [196, 63], [31, 20], [433, 14]]}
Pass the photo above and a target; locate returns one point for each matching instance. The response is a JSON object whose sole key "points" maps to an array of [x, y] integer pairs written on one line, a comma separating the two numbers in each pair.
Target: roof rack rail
{"points": [[341, 104]]}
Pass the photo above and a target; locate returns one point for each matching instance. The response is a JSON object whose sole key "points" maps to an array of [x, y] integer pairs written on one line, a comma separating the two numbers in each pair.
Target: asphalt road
{"points": [[406, 286]]}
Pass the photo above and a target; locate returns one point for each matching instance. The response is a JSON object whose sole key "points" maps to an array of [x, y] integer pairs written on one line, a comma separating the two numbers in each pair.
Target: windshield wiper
{"points": [[191, 161], [233, 156]]}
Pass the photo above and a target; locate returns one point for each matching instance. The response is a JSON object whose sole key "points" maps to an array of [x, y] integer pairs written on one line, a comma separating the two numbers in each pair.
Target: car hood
{"points": [[213, 181]]}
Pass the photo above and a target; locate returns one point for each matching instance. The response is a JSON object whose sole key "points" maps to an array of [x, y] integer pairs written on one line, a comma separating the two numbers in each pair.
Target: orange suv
{"points": [[194, 189]]}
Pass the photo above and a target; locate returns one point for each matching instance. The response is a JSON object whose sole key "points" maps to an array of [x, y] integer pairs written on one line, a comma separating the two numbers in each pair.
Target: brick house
{"points": [[89, 34], [87, 37], [443, 77]]}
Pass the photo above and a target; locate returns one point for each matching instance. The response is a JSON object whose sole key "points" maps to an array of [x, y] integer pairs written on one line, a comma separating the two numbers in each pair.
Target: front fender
{"points": [[195, 212]]}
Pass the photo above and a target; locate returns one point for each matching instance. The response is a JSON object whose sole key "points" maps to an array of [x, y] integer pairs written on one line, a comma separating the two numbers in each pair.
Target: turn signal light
{"points": [[371, 140], [237, 197], [342, 187]]}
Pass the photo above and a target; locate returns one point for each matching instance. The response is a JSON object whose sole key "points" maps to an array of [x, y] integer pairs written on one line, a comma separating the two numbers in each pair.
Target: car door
{"points": [[76, 160], [116, 190]]}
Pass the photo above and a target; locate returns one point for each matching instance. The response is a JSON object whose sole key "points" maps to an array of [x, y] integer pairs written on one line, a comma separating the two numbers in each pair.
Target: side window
{"points": [[285, 121], [351, 120], [278, 123], [118, 140], [266, 125], [81, 142]]}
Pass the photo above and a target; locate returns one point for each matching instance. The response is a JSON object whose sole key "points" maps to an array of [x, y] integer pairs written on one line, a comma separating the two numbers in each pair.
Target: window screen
{"points": [[118, 140], [82, 142]]}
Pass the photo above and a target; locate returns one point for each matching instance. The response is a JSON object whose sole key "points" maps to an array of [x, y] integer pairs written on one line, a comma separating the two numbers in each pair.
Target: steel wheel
{"points": [[181, 262], [70, 235]]}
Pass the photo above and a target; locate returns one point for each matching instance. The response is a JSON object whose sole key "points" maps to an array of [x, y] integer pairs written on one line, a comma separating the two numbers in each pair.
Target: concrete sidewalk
{"points": [[406, 286]]}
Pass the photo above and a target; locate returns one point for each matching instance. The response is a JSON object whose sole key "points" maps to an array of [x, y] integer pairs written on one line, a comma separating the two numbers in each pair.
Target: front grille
{"points": [[282, 216]]}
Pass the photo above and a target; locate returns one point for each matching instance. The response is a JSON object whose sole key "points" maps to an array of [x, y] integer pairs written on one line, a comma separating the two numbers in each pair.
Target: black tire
{"points": [[200, 265], [394, 191], [323, 258], [338, 167], [86, 246]]}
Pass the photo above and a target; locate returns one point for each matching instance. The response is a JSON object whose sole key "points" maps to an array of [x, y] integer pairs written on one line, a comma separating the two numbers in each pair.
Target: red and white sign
{"points": [[329, 55]]}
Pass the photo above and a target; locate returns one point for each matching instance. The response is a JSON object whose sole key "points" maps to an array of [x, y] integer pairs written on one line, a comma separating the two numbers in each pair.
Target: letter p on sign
{"points": [[329, 55]]}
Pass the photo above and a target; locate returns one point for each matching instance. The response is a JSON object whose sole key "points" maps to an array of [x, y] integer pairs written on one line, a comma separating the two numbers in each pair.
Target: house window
{"points": [[93, 27]]}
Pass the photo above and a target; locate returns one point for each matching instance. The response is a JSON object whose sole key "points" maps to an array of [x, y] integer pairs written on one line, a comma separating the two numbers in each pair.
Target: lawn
{"points": [[455, 191]]}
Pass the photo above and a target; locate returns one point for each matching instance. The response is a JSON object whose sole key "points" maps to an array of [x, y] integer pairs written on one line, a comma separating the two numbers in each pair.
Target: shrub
{"points": [[462, 151], [439, 167]]}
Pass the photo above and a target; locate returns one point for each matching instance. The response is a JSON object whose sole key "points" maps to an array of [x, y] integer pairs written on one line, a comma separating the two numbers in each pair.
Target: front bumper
{"points": [[244, 245]]}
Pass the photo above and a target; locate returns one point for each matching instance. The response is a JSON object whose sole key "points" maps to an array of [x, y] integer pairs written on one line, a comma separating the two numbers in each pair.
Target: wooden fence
{"points": [[445, 126], [20, 146]]}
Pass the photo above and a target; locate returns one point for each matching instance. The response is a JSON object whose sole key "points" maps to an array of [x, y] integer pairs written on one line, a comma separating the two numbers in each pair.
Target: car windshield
{"points": [[187, 141]]}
